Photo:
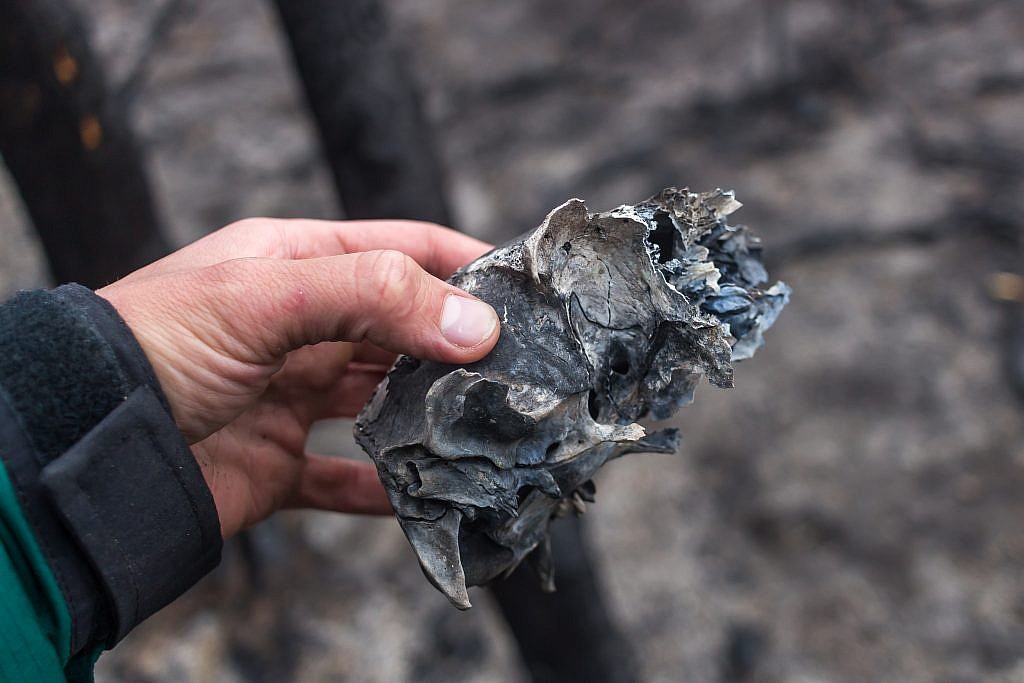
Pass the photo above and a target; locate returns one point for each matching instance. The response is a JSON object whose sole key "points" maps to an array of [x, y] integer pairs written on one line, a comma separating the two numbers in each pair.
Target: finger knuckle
{"points": [[244, 227], [236, 284], [232, 274], [389, 279]]}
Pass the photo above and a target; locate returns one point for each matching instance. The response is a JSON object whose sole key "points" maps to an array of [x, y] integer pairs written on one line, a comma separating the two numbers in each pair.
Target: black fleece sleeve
{"points": [[110, 488]]}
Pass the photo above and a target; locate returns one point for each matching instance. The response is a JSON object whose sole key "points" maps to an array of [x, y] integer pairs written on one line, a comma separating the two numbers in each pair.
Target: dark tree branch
{"points": [[169, 14], [69, 149], [378, 147], [377, 143], [567, 636]]}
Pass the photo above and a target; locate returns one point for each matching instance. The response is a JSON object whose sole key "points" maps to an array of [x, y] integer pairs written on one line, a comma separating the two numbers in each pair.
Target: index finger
{"points": [[439, 250]]}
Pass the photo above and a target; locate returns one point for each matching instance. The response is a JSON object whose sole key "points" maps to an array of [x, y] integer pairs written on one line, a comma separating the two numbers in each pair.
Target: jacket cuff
{"points": [[141, 515], [110, 487]]}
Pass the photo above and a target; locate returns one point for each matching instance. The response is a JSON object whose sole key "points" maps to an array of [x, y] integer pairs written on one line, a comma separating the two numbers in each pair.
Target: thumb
{"points": [[272, 306]]}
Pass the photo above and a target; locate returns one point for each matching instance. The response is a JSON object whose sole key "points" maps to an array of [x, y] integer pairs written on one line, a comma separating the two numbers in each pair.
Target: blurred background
{"points": [[852, 511]]}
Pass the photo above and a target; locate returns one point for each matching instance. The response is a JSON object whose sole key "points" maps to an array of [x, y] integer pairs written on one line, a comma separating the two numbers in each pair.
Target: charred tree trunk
{"points": [[567, 636], [377, 143], [379, 150], [70, 150]]}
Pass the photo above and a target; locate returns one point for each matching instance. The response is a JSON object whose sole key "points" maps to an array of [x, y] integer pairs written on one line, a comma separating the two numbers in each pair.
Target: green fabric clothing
{"points": [[35, 625]]}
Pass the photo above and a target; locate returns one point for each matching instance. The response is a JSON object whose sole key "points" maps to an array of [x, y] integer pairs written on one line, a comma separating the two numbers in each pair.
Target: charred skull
{"points": [[605, 318]]}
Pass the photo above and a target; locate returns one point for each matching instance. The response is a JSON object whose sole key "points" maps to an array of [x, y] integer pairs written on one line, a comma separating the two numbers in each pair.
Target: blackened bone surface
{"points": [[605, 319]]}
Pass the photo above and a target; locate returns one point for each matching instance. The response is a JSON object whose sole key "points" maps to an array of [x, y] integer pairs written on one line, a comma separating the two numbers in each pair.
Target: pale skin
{"points": [[266, 326]]}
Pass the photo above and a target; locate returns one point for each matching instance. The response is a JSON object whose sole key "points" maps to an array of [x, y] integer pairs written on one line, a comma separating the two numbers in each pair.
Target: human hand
{"points": [[265, 326]]}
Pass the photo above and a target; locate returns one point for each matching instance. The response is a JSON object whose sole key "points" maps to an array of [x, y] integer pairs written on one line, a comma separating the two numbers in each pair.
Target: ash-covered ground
{"points": [[851, 511]]}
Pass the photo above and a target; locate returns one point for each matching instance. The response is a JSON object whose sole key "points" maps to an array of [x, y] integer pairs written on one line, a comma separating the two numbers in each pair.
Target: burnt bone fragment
{"points": [[606, 318]]}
